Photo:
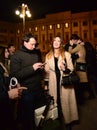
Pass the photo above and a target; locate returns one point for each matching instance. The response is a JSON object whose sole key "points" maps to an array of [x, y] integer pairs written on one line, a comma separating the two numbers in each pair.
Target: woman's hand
{"points": [[62, 66]]}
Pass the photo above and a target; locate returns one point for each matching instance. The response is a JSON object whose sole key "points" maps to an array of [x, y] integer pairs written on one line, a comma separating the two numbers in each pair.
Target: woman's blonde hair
{"points": [[61, 49]]}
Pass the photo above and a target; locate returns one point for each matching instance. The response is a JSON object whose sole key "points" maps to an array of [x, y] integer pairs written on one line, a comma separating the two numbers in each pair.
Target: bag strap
{"points": [[51, 99]]}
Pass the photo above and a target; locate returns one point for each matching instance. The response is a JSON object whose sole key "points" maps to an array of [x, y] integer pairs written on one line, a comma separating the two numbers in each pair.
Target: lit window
{"points": [[66, 25], [43, 28], [50, 27], [36, 28], [29, 29], [18, 31], [58, 25]]}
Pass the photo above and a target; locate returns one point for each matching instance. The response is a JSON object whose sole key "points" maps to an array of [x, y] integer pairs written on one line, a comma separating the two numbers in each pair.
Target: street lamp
{"points": [[23, 11]]}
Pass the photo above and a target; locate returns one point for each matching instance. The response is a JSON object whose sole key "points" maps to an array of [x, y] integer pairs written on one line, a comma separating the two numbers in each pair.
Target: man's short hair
{"points": [[75, 37], [11, 44], [28, 36]]}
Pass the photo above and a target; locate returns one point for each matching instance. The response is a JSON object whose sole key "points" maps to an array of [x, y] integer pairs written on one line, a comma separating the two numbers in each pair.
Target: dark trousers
{"points": [[29, 102], [7, 121], [80, 90]]}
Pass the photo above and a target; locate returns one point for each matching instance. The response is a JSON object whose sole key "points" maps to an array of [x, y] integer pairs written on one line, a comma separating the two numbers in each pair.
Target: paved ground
{"points": [[88, 116]]}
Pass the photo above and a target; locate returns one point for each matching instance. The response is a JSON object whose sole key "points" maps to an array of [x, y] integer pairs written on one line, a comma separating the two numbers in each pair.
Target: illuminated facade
{"points": [[63, 24]]}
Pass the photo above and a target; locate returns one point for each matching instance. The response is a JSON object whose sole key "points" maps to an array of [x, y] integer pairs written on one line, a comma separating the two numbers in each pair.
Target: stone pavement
{"points": [[87, 115]]}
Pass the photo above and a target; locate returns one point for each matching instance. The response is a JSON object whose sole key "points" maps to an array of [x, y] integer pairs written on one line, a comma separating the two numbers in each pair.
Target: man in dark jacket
{"points": [[27, 67]]}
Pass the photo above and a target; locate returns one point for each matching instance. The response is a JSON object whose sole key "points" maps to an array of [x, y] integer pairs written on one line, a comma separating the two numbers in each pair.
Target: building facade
{"points": [[62, 24]]}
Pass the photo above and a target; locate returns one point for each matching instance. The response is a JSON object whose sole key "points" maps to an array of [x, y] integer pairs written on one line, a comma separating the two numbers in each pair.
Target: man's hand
{"points": [[38, 65]]}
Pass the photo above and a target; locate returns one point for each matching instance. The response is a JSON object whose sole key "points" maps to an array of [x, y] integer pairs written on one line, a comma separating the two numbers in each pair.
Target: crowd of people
{"points": [[32, 73]]}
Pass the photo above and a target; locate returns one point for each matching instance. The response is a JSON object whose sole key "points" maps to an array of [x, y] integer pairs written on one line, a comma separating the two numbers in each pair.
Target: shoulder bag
{"points": [[70, 79], [81, 67]]}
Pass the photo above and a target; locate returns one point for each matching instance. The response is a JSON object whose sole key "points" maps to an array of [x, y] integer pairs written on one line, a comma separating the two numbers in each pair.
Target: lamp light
{"points": [[23, 12]]}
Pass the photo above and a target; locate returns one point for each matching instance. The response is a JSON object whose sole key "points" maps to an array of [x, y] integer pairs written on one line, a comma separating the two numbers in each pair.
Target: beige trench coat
{"points": [[68, 100], [80, 49]]}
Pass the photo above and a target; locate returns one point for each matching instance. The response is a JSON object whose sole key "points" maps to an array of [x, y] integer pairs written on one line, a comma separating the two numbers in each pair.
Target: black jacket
{"points": [[3, 90], [73, 56], [21, 68], [6, 119]]}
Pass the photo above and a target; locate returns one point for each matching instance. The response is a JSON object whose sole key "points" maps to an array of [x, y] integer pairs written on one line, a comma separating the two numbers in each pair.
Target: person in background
{"points": [[27, 67], [90, 56], [81, 69], [73, 39], [5, 63], [6, 95], [56, 61], [11, 49]]}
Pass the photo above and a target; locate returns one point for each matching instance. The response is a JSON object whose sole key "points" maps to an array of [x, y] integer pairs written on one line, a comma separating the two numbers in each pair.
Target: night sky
{"points": [[39, 8]]}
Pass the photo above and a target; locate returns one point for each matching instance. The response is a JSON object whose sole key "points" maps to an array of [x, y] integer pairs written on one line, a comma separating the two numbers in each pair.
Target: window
{"points": [[94, 22], [36, 29], [11, 31], [3, 39], [2, 30], [29, 29], [67, 36], [43, 28], [18, 31], [95, 33], [75, 24], [85, 23], [43, 37], [66, 25], [58, 26], [51, 37], [12, 40], [85, 35], [50, 27]]}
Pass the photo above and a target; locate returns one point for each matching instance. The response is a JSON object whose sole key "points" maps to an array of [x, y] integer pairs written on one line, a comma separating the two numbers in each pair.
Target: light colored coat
{"points": [[68, 100], [80, 49]]}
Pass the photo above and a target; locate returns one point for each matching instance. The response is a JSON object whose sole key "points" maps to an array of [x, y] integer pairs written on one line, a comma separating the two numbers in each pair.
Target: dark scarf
{"points": [[27, 50]]}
